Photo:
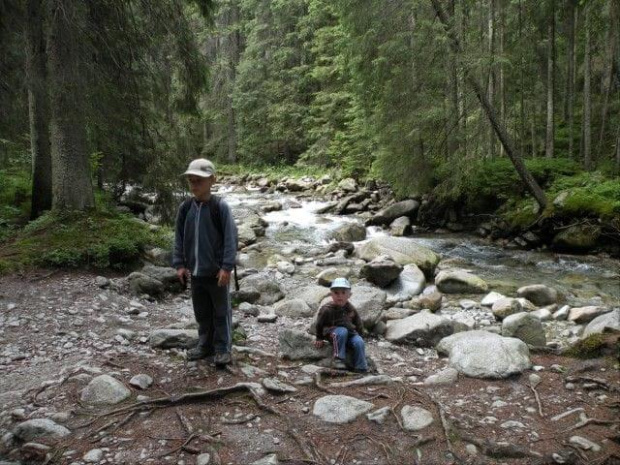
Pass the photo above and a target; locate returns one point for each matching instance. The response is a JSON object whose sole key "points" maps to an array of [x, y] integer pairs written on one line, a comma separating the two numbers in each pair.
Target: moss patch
{"points": [[594, 346]]}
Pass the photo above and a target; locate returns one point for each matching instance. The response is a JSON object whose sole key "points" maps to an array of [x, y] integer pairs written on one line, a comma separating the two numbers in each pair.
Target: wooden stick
{"points": [[540, 410]]}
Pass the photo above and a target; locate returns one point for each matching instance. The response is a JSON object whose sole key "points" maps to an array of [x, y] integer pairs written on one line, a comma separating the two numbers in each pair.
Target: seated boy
{"points": [[339, 322]]}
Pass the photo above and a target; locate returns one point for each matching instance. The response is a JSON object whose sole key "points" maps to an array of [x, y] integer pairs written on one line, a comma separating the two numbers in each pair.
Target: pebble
{"points": [[93, 456]]}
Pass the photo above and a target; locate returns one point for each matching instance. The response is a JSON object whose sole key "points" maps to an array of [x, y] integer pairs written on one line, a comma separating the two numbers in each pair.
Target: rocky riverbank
{"points": [[464, 371]]}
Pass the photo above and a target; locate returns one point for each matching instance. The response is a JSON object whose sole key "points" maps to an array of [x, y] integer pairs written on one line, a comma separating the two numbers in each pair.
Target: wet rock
{"points": [[608, 322], [169, 338], [299, 345], [538, 294], [423, 329], [105, 389], [39, 428], [402, 250], [415, 418], [506, 307], [406, 208], [582, 315], [407, 285], [350, 232], [526, 327], [381, 271], [340, 409], [459, 282], [579, 239], [141, 381], [400, 227], [481, 354], [295, 308]]}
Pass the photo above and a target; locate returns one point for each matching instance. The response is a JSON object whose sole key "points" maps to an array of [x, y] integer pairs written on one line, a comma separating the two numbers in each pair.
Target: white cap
{"points": [[200, 167], [340, 283]]}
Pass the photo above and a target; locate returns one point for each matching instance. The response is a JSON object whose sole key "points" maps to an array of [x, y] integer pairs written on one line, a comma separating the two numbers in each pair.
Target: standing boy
{"points": [[339, 322], [205, 248]]}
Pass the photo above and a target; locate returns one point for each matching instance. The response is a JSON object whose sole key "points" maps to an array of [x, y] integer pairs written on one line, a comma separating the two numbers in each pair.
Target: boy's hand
{"points": [[223, 278], [318, 344], [183, 274]]}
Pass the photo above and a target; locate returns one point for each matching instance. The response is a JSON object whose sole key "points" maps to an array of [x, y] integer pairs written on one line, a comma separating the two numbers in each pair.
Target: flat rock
{"points": [[402, 250], [538, 294], [460, 282], [582, 315], [299, 345], [275, 385], [424, 329], [295, 308], [340, 409], [607, 322], [481, 354], [39, 427], [416, 418], [446, 376], [141, 381], [169, 338]]}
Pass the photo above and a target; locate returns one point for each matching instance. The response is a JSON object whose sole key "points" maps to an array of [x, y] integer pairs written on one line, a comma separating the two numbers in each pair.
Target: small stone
{"points": [[569, 386], [93, 456], [141, 381], [584, 443], [535, 380], [512, 424], [203, 459]]}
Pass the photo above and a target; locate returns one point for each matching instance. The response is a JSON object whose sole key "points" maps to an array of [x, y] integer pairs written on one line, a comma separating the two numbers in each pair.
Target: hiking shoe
{"points": [[198, 353], [338, 364], [222, 359]]}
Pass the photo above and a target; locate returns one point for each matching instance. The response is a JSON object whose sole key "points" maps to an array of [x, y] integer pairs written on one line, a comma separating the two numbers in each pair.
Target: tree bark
{"points": [[587, 102], [499, 129], [38, 110], [550, 133], [72, 186], [607, 85], [491, 83], [569, 106]]}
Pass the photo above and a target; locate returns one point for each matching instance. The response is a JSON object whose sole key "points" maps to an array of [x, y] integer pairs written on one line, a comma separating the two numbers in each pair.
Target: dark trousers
{"points": [[213, 314]]}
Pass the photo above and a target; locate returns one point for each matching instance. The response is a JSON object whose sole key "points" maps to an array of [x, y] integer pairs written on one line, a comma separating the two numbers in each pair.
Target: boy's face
{"points": [[340, 296], [200, 187]]}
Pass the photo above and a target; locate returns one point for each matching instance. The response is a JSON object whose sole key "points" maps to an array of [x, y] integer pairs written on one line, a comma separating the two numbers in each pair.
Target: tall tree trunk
{"points": [[587, 102], [569, 106], [501, 96], [607, 84], [234, 53], [491, 83], [38, 110], [550, 134], [521, 83], [72, 187], [460, 84], [453, 96], [499, 129]]}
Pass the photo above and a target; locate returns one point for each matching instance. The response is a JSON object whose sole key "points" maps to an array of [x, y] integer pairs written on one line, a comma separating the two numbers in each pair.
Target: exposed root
{"points": [[540, 410], [591, 421]]}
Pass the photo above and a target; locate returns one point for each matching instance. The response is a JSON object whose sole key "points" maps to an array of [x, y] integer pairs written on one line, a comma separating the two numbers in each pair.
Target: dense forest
{"points": [[420, 93]]}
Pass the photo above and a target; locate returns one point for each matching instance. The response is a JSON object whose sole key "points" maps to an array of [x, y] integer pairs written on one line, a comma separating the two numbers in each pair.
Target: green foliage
{"points": [[587, 194], [99, 239], [593, 346], [15, 192]]}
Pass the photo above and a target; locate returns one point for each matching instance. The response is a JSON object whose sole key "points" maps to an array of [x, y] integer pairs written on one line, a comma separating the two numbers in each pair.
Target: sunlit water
{"points": [[582, 279]]}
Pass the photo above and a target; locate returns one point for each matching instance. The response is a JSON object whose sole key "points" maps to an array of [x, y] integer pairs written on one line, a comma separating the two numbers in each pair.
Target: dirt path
{"points": [[59, 331]]}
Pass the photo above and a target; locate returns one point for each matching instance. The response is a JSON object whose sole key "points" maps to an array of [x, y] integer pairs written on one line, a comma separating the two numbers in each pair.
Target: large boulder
{"points": [[312, 295], [166, 275], [526, 327], [349, 232], [246, 235], [400, 226], [423, 329], [608, 322], [481, 354], [402, 250], [140, 283], [381, 271], [579, 238], [409, 284], [369, 302], [268, 287], [388, 214], [460, 282], [538, 294]]}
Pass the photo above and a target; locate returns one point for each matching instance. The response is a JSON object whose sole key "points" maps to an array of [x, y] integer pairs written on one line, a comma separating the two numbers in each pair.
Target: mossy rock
{"points": [[580, 238], [595, 346]]}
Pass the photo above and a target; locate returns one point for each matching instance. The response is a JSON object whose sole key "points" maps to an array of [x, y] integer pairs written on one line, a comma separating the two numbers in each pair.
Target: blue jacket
{"points": [[198, 244]]}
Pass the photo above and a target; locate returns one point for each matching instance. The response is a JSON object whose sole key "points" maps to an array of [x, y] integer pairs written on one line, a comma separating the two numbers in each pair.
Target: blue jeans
{"points": [[342, 338]]}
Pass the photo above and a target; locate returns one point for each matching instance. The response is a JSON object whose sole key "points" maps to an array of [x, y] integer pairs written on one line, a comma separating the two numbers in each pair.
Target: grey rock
{"points": [[460, 282], [608, 322], [446, 376], [140, 283], [268, 287], [416, 418], [102, 282], [381, 271], [159, 257], [169, 338], [401, 226], [38, 428], [349, 232], [340, 409], [491, 298], [271, 459], [430, 301], [298, 345], [402, 250], [141, 381], [505, 307], [348, 185], [249, 309], [295, 308], [562, 313], [388, 214], [582, 315], [396, 313], [580, 238], [93, 456], [267, 318], [105, 389], [246, 295], [481, 354], [584, 443], [275, 385], [408, 284], [379, 416], [526, 327], [166, 275], [423, 329], [538, 294], [203, 459]]}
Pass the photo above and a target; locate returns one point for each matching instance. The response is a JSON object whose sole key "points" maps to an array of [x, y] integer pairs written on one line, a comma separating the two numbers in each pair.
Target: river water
{"points": [[583, 280]]}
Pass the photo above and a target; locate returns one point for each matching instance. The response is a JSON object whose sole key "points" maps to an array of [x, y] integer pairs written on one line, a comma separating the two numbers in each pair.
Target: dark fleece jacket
{"points": [[330, 316]]}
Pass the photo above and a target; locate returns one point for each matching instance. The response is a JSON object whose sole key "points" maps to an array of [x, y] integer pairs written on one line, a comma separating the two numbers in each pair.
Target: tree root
{"points": [[590, 421], [540, 410]]}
